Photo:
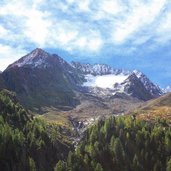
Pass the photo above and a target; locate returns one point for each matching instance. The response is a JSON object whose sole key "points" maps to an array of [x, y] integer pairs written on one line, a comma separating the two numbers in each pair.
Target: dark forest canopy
{"points": [[111, 144], [122, 144], [27, 144]]}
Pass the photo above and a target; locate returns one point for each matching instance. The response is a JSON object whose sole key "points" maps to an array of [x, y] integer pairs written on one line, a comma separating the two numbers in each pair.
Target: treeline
{"points": [[112, 144], [122, 144], [27, 144]]}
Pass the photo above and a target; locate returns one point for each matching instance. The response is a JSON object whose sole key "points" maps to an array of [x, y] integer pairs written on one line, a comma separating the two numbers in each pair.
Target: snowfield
{"points": [[104, 81]]}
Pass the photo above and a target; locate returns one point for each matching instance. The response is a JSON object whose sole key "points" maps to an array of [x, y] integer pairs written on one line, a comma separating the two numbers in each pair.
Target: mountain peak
{"points": [[35, 58], [38, 52]]}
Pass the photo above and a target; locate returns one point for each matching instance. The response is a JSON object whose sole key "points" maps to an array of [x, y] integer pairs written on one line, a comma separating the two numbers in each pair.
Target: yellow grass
{"points": [[154, 113]]}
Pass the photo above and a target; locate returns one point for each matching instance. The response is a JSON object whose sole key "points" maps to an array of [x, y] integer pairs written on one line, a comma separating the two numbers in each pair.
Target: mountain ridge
{"points": [[97, 69], [92, 71], [47, 84], [41, 80]]}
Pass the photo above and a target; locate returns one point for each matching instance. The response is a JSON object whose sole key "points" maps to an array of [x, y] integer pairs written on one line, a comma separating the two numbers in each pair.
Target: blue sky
{"points": [[130, 34]]}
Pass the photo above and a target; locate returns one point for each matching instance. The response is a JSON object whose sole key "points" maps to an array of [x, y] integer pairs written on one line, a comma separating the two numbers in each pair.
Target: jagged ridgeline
{"points": [[123, 143], [45, 82], [42, 80], [25, 143]]}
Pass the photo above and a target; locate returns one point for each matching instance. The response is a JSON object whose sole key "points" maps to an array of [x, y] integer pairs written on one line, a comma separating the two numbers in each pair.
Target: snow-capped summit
{"points": [[98, 78], [36, 58], [151, 87], [137, 73], [134, 83], [97, 69]]}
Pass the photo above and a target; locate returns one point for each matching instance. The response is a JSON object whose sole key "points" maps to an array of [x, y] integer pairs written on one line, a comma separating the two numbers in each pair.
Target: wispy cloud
{"points": [[9, 55], [141, 17], [83, 26]]}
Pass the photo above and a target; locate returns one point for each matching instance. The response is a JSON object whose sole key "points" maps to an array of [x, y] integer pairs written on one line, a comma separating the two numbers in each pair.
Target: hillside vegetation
{"points": [[126, 143], [154, 110], [122, 144], [27, 144]]}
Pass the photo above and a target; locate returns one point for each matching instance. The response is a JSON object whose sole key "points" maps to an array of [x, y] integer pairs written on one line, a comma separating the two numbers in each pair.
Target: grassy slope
{"points": [[159, 108]]}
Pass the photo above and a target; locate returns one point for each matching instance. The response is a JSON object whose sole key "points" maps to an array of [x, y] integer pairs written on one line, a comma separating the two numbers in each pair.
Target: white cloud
{"points": [[84, 26], [84, 5], [37, 27], [91, 41], [108, 10], [8, 55], [141, 16], [60, 35], [74, 37], [43, 29], [3, 31], [141, 40], [111, 7], [124, 20], [81, 6], [93, 44], [163, 31], [70, 1]]}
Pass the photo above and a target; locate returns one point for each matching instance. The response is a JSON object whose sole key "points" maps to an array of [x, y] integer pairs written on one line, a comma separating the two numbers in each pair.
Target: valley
{"points": [[77, 116], [46, 84], [85, 85], [60, 92]]}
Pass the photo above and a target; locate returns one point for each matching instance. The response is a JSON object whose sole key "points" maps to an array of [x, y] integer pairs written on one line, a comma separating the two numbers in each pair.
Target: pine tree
{"points": [[98, 167], [60, 166], [118, 150], [168, 165], [32, 164]]}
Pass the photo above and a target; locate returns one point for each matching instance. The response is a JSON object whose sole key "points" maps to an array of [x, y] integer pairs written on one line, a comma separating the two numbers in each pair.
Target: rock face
{"points": [[135, 87], [132, 83], [97, 69], [1, 82], [40, 79], [45, 80], [153, 89]]}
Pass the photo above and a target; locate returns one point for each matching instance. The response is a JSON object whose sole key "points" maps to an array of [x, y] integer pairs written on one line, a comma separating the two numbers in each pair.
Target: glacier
{"points": [[104, 81]]}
